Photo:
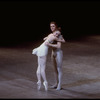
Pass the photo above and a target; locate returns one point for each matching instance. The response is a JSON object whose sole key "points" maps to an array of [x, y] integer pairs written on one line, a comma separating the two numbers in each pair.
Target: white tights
{"points": [[57, 60], [41, 70]]}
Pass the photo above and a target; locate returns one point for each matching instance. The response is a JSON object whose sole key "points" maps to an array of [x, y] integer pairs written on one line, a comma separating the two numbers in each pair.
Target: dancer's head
{"points": [[53, 26], [57, 33]]}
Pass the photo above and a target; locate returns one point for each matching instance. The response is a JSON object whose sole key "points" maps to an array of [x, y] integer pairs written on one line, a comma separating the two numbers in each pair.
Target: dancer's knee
{"points": [[59, 70], [42, 71], [38, 72]]}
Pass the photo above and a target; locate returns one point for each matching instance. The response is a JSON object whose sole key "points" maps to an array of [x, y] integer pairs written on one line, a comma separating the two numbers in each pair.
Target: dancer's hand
{"points": [[46, 43], [44, 38]]}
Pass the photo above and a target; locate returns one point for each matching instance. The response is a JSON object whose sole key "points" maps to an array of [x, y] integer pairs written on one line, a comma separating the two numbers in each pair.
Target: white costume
{"points": [[42, 50]]}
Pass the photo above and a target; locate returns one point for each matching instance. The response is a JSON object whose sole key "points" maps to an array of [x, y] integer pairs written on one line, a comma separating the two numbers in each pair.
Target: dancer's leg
{"points": [[53, 57], [38, 73], [43, 73], [59, 59], [43, 66]]}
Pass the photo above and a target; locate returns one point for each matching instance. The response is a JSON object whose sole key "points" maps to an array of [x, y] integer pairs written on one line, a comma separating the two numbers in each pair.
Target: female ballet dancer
{"points": [[41, 52]]}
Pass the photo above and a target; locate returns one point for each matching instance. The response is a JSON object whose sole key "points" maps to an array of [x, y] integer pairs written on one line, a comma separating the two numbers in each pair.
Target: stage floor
{"points": [[81, 71]]}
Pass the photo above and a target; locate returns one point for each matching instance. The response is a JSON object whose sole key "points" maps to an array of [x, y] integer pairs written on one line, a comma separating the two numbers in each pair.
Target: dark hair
{"points": [[58, 28], [53, 22]]}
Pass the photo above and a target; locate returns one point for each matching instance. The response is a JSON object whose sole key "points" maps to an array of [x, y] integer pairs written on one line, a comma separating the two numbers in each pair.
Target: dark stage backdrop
{"points": [[29, 20]]}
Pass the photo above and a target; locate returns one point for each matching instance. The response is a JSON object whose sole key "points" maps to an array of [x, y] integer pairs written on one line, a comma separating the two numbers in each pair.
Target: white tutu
{"points": [[34, 51], [42, 50]]}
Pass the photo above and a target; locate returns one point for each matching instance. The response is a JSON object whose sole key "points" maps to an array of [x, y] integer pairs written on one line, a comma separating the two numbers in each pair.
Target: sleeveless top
{"points": [[42, 50]]}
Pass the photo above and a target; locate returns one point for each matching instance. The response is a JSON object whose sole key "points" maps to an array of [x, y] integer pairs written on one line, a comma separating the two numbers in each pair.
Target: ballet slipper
{"points": [[45, 85], [39, 85], [58, 87], [53, 86]]}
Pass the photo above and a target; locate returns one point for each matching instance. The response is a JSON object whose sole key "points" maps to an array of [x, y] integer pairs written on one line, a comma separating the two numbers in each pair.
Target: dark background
{"points": [[29, 20]]}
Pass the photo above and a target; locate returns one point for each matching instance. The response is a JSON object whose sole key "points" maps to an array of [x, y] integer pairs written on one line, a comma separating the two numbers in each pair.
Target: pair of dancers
{"points": [[41, 52]]}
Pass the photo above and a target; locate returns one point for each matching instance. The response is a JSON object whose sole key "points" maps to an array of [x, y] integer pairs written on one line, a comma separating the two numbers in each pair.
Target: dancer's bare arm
{"points": [[61, 39], [58, 45], [47, 37], [44, 38]]}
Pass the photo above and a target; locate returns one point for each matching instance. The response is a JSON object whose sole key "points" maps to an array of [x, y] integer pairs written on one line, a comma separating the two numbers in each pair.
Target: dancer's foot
{"points": [[58, 87], [39, 85], [54, 86], [45, 85]]}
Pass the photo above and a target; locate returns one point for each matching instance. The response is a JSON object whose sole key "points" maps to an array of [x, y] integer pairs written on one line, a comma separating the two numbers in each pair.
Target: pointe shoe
{"points": [[39, 85], [45, 85]]}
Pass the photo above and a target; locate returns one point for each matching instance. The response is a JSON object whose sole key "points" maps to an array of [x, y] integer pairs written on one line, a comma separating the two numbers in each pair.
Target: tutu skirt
{"points": [[42, 50]]}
